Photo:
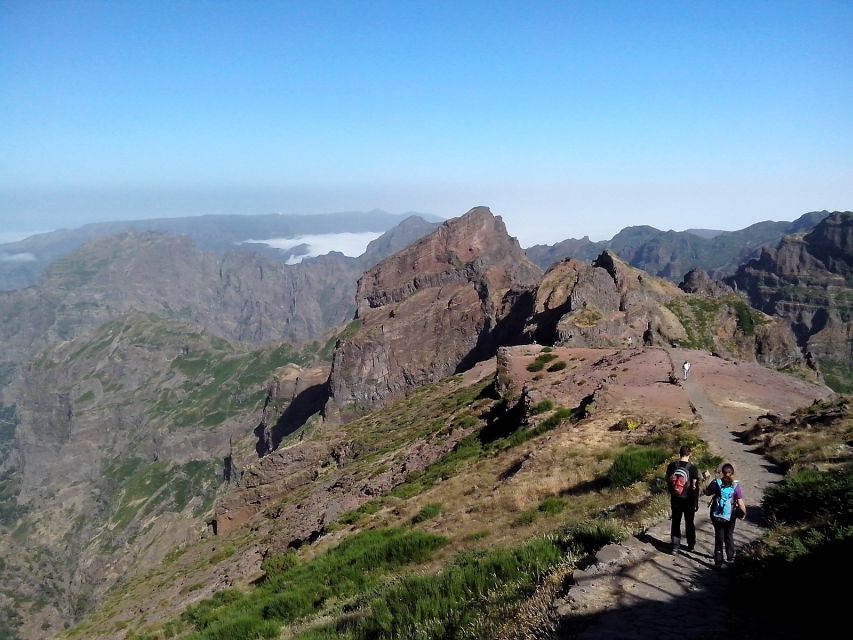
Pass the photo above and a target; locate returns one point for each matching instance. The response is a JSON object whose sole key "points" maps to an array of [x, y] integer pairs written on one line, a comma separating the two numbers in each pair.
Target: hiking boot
{"points": [[690, 547]]}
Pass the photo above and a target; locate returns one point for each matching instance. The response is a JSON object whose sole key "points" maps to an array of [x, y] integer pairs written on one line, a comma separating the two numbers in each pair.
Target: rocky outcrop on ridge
{"points": [[608, 303], [440, 305], [697, 281], [807, 281]]}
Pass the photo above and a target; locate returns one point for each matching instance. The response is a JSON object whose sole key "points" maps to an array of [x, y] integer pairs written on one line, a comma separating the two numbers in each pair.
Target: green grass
{"points": [[468, 598], [557, 366], [542, 407], [429, 512], [634, 464], [354, 566]]}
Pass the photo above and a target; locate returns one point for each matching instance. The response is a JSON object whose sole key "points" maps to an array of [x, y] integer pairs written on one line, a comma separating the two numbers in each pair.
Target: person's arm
{"points": [[710, 489], [739, 501]]}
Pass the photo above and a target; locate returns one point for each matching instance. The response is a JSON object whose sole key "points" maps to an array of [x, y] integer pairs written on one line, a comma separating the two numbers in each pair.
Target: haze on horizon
{"points": [[567, 120]]}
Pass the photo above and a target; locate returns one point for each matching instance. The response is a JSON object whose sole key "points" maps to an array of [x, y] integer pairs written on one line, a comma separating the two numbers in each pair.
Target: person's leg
{"points": [[730, 540], [675, 530], [719, 534], [690, 527]]}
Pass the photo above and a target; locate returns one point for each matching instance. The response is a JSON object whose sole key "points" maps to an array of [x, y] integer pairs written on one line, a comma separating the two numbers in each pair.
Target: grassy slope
{"points": [[489, 501]]}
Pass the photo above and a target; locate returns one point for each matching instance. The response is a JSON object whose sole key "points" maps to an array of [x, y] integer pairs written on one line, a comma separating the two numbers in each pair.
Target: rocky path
{"points": [[637, 589]]}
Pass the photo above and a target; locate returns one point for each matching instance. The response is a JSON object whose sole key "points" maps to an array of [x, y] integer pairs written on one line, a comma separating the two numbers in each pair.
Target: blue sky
{"points": [[566, 118]]}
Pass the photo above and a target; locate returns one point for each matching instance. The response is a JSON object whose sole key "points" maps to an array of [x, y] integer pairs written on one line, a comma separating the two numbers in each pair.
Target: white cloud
{"points": [[17, 257], [350, 244]]}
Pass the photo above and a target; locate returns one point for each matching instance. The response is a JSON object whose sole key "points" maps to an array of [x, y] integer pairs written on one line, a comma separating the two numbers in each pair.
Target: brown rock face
{"points": [[807, 281], [435, 308], [606, 303]]}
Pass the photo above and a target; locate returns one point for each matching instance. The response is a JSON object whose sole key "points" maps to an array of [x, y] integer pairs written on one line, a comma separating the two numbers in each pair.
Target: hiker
{"points": [[682, 478], [726, 507], [685, 368]]}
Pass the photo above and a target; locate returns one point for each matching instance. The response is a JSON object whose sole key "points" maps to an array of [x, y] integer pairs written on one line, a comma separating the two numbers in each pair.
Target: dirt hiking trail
{"points": [[639, 590]]}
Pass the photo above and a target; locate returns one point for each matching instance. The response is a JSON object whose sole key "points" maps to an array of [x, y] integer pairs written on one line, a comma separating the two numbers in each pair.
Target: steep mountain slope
{"points": [[670, 254], [485, 466], [440, 305], [128, 390], [117, 453], [808, 281], [23, 262]]}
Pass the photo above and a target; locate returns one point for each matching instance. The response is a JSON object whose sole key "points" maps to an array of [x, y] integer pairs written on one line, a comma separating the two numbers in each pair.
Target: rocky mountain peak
{"points": [[470, 247], [431, 309]]}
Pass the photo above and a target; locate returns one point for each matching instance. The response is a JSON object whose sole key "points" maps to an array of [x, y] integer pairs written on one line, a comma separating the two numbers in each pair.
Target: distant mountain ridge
{"points": [[807, 280], [218, 233], [671, 254]]}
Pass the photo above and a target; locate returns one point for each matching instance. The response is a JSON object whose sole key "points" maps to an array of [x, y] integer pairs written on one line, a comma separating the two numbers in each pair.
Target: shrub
{"points": [[553, 505], [429, 511], [557, 366], [808, 495], [536, 365], [279, 563], [542, 407], [632, 464], [547, 349]]}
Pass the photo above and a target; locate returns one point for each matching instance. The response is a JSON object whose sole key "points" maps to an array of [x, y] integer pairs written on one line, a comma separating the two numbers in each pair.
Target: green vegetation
{"points": [[541, 360], [141, 488], [472, 595], [587, 317], [541, 407], [811, 534], [697, 316], [295, 591], [557, 366], [837, 377], [429, 512], [357, 515], [552, 505], [634, 464]]}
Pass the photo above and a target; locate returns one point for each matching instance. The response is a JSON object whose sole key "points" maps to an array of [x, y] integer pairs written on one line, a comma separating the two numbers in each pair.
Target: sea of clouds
{"points": [[348, 243]]}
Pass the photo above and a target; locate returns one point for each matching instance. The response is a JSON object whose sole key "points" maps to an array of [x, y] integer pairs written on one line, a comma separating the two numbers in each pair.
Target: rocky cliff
{"points": [[807, 281], [435, 308]]}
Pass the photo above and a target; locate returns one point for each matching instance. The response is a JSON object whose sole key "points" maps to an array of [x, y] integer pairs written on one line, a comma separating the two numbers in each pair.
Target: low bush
{"points": [[557, 366], [542, 407], [429, 511], [633, 464]]}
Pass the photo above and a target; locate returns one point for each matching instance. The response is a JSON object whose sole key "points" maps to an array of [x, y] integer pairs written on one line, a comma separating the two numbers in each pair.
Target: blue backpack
{"points": [[723, 504]]}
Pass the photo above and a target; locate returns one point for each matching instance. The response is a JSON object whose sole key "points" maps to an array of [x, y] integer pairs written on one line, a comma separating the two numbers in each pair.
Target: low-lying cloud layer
{"points": [[311, 246]]}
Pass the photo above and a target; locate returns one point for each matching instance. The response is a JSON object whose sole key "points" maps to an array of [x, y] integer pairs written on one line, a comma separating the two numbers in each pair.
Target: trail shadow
{"points": [[588, 486]]}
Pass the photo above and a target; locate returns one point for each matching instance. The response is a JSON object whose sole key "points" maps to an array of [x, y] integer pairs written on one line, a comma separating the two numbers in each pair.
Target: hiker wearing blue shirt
{"points": [[726, 507]]}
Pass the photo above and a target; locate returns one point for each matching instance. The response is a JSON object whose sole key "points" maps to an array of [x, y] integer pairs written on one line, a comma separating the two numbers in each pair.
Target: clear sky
{"points": [[567, 118]]}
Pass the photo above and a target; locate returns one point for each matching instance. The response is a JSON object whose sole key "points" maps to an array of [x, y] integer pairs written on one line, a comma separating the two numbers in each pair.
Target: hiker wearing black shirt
{"points": [[682, 478]]}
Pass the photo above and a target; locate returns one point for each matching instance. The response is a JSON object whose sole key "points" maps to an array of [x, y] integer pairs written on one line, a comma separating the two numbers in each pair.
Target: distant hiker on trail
{"points": [[726, 507], [685, 368], [682, 478]]}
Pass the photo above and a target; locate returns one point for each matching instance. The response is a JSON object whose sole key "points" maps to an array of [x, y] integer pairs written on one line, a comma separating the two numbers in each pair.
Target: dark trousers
{"points": [[686, 508], [724, 536]]}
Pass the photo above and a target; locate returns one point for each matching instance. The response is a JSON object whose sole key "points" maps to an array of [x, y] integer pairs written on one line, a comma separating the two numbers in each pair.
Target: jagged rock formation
{"points": [[697, 281], [602, 304], [437, 307], [669, 254], [608, 303], [807, 281]]}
